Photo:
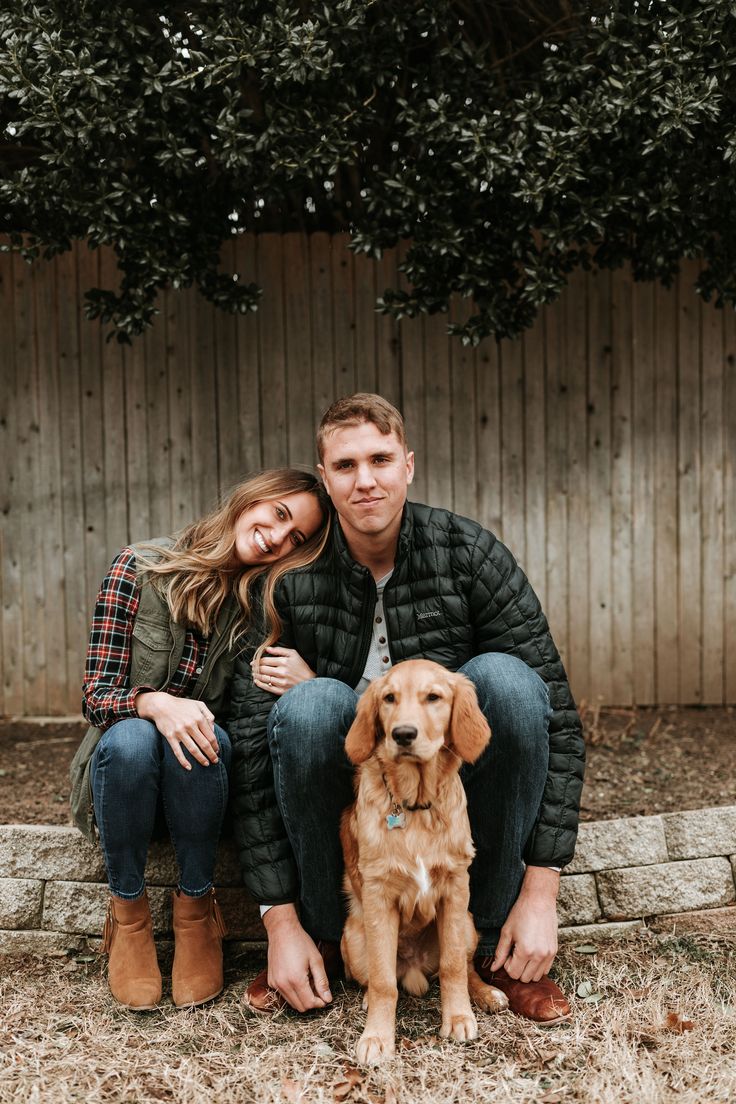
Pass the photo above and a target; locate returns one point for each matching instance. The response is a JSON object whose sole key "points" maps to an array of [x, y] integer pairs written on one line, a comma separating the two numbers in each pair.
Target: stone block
{"points": [[668, 887], [612, 844], [701, 833], [35, 942], [80, 908], [578, 899], [584, 933], [48, 852], [162, 869], [20, 903]]}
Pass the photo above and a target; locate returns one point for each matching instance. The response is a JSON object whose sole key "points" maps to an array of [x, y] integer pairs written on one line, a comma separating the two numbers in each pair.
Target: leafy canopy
{"points": [[507, 141]]}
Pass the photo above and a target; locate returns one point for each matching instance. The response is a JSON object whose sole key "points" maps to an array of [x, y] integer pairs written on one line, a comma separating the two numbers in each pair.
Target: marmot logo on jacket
{"points": [[429, 613]]}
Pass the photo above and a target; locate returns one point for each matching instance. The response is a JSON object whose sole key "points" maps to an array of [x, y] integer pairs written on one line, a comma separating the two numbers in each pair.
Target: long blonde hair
{"points": [[199, 571]]}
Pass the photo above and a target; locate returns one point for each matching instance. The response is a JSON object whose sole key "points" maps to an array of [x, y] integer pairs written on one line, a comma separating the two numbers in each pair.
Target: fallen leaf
{"points": [[585, 948], [342, 1087], [676, 1023], [584, 989], [292, 1091]]}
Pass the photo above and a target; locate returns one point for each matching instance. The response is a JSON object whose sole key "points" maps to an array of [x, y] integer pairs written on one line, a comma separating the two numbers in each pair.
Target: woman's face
{"points": [[271, 529]]}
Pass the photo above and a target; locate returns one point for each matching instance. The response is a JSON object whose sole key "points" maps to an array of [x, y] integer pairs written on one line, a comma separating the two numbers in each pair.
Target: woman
{"points": [[169, 619]]}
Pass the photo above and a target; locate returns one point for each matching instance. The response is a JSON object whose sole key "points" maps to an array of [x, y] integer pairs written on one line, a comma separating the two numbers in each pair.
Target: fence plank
{"points": [[712, 505], [664, 458], [729, 504], [621, 489], [577, 511], [114, 438], [323, 348], [645, 412], [250, 384], [437, 413], [556, 480], [535, 459], [300, 416], [227, 391], [49, 534], [688, 490], [366, 376], [464, 419], [343, 317], [599, 481], [512, 447], [272, 354], [68, 321], [388, 345]]}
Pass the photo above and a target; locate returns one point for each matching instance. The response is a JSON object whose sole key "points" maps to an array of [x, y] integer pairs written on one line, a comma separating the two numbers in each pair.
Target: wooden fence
{"points": [[600, 447]]}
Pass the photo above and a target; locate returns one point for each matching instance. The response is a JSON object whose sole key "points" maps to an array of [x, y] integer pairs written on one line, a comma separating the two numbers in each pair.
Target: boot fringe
{"points": [[108, 929]]}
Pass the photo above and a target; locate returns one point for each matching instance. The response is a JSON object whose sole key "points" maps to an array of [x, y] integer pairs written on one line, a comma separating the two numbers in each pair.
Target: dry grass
{"points": [[63, 1039]]}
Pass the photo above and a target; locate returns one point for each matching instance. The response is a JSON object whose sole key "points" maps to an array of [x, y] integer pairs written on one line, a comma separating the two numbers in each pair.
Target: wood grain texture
{"points": [[600, 447]]}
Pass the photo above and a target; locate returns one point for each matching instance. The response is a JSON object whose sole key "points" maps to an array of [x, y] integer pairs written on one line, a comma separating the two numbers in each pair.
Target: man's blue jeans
{"points": [[132, 770], [314, 782]]}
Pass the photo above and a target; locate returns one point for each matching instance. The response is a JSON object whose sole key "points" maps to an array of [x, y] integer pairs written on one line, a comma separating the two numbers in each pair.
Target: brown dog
{"points": [[407, 848]]}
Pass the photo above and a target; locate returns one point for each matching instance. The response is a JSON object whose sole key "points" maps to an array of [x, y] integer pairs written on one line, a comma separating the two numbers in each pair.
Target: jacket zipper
{"points": [[367, 622]]}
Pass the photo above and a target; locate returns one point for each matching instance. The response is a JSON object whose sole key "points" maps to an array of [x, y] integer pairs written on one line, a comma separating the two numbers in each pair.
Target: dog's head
{"points": [[414, 710]]}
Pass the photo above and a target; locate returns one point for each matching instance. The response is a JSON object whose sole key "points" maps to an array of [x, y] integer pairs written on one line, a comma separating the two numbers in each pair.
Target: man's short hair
{"points": [[359, 408]]}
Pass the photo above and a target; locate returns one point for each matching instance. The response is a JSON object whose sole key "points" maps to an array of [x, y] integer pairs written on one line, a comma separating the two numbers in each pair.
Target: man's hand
{"points": [[528, 941], [182, 722], [295, 966]]}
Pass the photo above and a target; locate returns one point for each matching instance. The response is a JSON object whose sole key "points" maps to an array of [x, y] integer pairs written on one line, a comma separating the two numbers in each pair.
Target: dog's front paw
{"points": [[462, 1028], [490, 999], [374, 1050]]}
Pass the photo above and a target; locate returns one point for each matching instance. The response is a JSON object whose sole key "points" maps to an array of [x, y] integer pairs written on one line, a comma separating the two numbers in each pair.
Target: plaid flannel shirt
{"points": [[107, 696]]}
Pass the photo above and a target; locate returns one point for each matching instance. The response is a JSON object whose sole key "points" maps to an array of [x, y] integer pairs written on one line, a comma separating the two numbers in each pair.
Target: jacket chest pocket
{"points": [[150, 648]]}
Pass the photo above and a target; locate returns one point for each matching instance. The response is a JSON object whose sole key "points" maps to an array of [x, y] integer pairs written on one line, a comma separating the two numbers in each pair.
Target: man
{"points": [[398, 581]]}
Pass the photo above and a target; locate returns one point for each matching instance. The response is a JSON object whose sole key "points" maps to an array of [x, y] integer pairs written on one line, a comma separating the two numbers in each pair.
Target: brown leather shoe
{"points": [[196, 976], [261, 998], [132, 972], [541, 1001]]}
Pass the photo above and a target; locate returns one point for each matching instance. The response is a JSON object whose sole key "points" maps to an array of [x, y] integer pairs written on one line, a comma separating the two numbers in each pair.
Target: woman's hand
{"points": [[280, 669], [183, 723]]}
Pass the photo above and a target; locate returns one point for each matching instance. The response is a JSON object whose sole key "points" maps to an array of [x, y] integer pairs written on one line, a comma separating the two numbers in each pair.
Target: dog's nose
{"points": [[404, 734]]}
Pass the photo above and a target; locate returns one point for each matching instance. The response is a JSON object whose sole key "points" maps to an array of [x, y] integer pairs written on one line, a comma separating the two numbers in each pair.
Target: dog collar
{"points": [[396, 817]]}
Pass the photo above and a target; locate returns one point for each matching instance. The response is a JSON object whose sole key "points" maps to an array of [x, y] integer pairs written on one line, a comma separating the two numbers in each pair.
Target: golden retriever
{"points": [[407, 846]]}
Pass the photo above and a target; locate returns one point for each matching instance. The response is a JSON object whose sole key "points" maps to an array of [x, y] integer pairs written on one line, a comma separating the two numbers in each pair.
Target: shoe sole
{"points": [[198, 1003], [550, 1023], [264, 1011]]}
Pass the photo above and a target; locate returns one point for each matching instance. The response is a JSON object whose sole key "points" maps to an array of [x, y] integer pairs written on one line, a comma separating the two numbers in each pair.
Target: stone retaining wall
{"points": [[53, 893]]}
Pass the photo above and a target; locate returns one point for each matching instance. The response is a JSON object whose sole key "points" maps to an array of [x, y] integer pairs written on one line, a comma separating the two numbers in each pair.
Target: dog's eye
{"points": [[433, 697], [389, 697]]}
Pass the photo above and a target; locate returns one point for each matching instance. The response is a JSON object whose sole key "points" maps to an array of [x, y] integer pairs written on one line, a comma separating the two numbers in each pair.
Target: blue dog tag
{"points": [[396, 820]]}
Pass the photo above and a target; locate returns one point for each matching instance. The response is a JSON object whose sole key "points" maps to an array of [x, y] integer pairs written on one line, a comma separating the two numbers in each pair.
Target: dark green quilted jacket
{"points": [[479, 600]]}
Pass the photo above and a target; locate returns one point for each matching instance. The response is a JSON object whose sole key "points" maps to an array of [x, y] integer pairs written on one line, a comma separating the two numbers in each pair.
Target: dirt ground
{"points": [[640, 761], [654, 1022]]}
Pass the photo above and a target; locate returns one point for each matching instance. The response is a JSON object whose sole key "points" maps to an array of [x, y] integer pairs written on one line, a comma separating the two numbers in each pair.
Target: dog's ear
{"points": [[363, 733], [469, 730]]}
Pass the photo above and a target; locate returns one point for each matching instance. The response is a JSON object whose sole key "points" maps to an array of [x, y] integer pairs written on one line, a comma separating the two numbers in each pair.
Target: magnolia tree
{"points": [[507, 141]]}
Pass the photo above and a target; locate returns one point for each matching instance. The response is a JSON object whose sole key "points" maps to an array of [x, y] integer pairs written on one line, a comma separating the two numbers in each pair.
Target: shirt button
{"points": [[384, 659], [382, 640], [379, 620], [198, 671]]}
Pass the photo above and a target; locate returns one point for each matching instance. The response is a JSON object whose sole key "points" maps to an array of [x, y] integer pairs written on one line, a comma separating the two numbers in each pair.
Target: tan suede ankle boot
{"points": [[133, 973], [196, 976]]}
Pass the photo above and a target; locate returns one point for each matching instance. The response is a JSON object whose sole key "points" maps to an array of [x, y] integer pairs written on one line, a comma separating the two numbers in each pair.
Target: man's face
{"points": [[366, 474]]}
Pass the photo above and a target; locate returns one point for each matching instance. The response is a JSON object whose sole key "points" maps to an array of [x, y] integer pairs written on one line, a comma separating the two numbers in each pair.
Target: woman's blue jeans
{"points": [[134, 773], [314, 783]]}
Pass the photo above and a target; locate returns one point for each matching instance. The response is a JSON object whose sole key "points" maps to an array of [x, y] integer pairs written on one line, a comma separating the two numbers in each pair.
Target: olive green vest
{"points": [[156, 649]]}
